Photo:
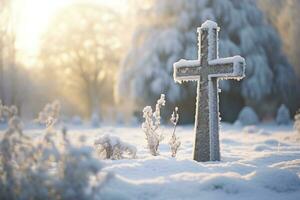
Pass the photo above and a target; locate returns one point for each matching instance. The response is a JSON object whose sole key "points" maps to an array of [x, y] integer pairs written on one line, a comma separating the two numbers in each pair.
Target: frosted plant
{"points": [[111, 147], [297, 122], [151, 125], [49, 115], [174, 141], [11, 115], [33, 169]]}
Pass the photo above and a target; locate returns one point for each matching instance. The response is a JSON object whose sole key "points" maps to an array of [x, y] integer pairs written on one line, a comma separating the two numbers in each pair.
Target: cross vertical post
{"points": [[207, 70], [202, 137]]}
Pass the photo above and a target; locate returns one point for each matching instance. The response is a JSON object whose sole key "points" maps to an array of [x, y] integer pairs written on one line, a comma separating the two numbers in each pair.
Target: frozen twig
{"points": [[174, 141], [151, 125]]}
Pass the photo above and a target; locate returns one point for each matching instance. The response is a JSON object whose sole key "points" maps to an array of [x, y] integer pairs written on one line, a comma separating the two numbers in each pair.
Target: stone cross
{"points": [[207, 70]]}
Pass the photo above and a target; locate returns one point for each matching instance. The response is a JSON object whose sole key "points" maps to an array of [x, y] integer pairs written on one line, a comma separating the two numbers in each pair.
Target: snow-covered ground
{"points": [[261, 162]]}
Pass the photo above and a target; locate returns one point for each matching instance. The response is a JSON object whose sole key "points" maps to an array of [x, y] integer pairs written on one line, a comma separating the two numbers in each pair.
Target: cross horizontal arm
{"points": [[186, 70], [227, 68]]}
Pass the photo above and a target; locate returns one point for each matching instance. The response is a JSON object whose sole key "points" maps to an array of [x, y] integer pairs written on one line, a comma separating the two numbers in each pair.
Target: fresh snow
{"points": [[187, 63], [261, 164], [213, 39], [209, 25], [235, 60]]}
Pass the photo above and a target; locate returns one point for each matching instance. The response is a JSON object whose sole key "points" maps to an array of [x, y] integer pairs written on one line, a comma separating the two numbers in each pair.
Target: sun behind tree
{"points": [[80, 53]]}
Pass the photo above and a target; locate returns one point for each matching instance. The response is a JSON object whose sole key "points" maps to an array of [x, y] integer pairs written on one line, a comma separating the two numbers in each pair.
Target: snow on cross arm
{"points": [[234, 59], [209, 25], [235, 62], [184, 67]]}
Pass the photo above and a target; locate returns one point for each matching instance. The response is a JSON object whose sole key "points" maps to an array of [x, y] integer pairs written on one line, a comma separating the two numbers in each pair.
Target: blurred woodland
{"points": [[100, 59]]}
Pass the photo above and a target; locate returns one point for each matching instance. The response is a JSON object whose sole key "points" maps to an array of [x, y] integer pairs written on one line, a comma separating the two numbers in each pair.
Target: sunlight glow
{"points": [[34, 17]]}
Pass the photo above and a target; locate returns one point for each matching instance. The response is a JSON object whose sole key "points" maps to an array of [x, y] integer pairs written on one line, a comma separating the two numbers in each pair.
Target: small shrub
{"points": [[111, 147], [49, 115], [51, 168], [151, 125]]}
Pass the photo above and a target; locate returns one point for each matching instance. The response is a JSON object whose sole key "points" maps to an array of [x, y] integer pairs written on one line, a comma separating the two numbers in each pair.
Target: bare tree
{"points": [[81, 50], [9, 81]]}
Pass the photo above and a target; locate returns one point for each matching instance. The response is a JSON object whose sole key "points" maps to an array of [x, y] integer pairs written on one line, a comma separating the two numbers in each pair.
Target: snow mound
{"points": [[254, 166], [272, 142], [250, 129], [262, 147], [278, 180], [293, 165], [230, 183], [247, 116]]}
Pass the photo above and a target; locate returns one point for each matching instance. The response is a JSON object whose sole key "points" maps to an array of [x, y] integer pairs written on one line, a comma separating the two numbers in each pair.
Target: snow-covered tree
{"points": [[167, 33], [247, 116], [283, 115], [15, 84], [284, 15]]}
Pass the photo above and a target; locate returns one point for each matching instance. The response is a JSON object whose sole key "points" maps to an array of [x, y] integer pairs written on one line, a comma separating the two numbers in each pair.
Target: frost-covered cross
{"points": [[207, 70]]}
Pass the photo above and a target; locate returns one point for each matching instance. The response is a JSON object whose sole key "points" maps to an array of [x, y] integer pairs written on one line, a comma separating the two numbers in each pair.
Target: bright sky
{"points": [[34, 17]]}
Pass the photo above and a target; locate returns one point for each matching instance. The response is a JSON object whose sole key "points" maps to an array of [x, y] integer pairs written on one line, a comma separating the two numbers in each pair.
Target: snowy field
{"points": [[261, 162]]}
